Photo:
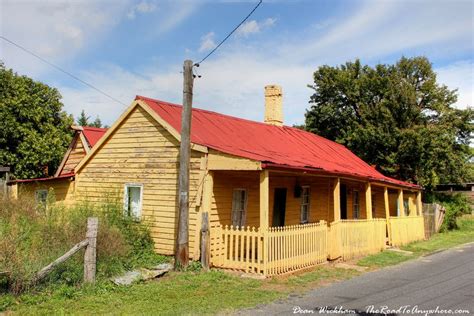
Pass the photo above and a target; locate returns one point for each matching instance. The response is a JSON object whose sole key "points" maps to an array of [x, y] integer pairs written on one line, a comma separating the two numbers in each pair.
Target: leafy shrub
{"points": [[32, 236], [455, 205]]}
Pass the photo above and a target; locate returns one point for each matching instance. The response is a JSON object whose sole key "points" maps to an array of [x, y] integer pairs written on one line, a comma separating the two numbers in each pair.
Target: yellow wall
{"points": [[377, 193], [351, 187], [63, 189], [225, 181], [142, 151]]}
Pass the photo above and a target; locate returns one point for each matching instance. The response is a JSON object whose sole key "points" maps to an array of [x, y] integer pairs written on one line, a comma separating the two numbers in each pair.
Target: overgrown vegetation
{"points": [[456, 205], [197, 292], [32, 236]]}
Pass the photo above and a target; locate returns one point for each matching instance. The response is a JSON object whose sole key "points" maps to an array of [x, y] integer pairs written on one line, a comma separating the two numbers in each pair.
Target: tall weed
{"points": [[32, 235]]}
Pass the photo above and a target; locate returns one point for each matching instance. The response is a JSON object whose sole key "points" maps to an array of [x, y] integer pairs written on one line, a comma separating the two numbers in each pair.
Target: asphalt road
{"points": [[444, 280]]}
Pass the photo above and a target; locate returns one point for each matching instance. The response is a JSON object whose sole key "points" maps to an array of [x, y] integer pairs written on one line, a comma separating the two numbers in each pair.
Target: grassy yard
{"points": [[175, 294], [208, 293], [463, 235]]}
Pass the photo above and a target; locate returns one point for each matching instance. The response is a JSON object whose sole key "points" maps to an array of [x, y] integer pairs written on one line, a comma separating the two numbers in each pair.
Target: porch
{"points": [[271, 222]]}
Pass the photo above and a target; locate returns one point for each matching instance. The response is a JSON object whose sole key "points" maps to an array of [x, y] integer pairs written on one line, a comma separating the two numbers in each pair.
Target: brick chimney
{"points": [[273, 105]]}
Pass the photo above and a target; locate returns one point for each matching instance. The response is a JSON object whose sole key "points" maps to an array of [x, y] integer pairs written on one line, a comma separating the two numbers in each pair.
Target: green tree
{"points": [[396, 117], [83, 119], [97, 122], [34, 130]]}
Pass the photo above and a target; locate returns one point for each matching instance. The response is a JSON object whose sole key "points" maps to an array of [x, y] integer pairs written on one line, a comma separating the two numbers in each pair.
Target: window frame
{"points": [[243, 217], [356, 215], [37, 196], [406, 206], [373, 204], [126, 206], [303, 204]]}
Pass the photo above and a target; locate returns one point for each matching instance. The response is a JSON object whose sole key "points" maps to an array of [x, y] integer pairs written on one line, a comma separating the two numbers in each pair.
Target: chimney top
{"points": [[273, 105]]}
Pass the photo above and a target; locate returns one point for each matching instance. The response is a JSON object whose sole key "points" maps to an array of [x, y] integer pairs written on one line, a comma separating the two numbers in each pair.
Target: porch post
{"points": [[419, 205], [264, 199], [264, 206], [337, 199], [401, 207], [205, 207], [368, 201], [387, 214]]}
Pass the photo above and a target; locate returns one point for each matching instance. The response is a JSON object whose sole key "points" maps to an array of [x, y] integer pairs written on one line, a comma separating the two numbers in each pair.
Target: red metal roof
{"points": [[62, 176], [284, 147], [93, 134]]}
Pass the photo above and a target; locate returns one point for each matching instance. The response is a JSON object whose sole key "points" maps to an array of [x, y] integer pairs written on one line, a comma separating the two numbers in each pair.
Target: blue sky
{"points": [[127, 47]]}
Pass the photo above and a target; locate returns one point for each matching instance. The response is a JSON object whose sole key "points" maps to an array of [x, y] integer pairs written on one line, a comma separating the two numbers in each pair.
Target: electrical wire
{"points": [[228, 35], [61, 70]]}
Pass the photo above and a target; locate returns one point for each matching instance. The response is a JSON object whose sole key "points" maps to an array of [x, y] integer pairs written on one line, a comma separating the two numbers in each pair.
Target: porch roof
{"points": [[282, 146]]}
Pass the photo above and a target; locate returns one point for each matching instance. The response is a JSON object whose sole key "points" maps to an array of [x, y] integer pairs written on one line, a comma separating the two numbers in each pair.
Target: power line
{"points": [[235, 29], [61, 70]]}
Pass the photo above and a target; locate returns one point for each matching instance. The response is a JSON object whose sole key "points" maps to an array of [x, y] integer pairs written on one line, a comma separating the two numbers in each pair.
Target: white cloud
{"points": [[232, 81], [459, 75], [142, 7], [207, 42], [56, 30], [176, 13], [252, 26]]}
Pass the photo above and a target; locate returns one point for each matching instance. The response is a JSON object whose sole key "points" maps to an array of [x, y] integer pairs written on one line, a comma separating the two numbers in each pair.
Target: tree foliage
{"points": [[396, 117], [83, 120], [34, 130]]}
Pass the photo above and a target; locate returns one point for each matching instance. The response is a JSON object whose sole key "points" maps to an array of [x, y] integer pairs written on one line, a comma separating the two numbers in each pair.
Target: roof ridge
{"points": [[212, 112], [238, 118]]}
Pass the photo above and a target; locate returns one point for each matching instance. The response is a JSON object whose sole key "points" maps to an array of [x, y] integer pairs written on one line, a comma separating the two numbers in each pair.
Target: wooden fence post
{"points": [[205, 241], [91, 249]]}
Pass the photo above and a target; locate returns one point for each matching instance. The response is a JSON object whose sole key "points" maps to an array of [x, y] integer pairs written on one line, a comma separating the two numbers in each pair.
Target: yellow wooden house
{"points": [[62, 183], [278, 198]]}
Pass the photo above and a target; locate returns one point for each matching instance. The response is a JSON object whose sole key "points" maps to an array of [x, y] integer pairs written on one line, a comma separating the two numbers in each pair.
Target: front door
{"points": [[279, 207], [343, 200]]}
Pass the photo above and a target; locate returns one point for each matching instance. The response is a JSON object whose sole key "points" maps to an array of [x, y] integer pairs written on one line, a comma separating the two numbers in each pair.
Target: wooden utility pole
{"points": [[182, 244]]}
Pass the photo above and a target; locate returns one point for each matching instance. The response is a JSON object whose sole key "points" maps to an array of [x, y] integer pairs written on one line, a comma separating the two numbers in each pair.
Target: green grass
{"points": [[194, 292], [383, 259], [176, 294], [464, 234]]}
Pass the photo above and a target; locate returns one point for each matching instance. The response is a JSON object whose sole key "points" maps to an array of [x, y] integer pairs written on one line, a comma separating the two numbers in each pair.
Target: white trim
{"points": [[303, 187], [354, 214], [125, 198], [37, 193], [243, 219]]}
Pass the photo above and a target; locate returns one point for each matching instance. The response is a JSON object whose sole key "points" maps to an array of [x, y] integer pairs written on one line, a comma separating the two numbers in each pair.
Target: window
{"points": [[373, 205], [239, 207], [133, 200], [41, 196], [355, 204], [305, 203], [406, 206]]}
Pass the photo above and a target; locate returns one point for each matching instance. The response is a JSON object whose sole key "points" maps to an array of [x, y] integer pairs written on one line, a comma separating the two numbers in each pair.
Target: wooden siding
{"points": [[221, 161], [140, 150], [75, 155], [351, 187], [321, 205], [377, 193], [63, 189]]}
